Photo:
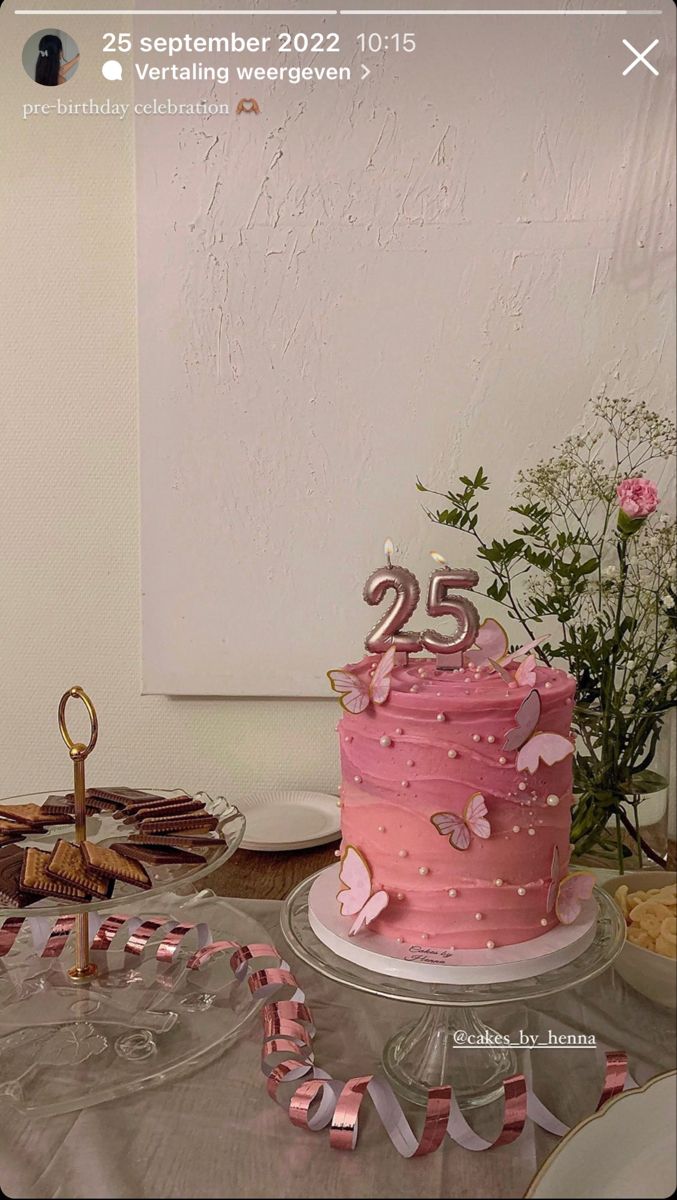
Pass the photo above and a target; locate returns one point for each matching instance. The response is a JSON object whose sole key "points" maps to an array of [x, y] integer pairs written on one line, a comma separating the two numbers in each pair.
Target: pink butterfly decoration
{"points": [[525, 675], [534, 747], [549, 748], [519, 653], [491, 642], [571, 894], [460, 830], [491, 646], [357, 693], [356, 898], [554, 881], [526, 719]]}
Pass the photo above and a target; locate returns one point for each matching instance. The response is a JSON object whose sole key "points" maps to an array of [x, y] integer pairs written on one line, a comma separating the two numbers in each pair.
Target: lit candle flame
{"points": [[388, 550], [438, 558]]}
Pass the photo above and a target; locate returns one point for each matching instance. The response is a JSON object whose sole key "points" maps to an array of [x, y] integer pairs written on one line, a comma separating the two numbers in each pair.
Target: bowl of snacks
{"points": [[648, 901]]}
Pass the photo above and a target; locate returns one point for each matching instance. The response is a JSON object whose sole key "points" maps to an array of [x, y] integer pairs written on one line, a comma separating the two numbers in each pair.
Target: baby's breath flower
{"points": [[606, 599]]}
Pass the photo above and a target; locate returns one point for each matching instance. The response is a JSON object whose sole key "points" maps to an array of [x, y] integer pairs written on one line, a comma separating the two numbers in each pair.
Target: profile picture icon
{"points": [[50, 57]]}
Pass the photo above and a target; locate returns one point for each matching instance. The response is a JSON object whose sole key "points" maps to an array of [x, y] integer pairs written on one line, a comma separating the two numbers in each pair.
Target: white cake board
{"points": [[434, 964]]}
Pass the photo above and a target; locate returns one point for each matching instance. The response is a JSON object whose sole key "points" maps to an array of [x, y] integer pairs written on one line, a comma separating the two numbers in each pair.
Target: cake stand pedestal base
{"points": [[450, 1043], [448, 1046]]}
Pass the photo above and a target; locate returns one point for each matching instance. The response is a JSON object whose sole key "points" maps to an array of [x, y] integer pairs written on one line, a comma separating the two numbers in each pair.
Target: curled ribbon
{"points": [[318, 1100]]}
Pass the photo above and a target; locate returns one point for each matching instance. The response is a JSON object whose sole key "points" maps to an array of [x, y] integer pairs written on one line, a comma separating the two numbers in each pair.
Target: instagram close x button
{"points": [[640, 57]]}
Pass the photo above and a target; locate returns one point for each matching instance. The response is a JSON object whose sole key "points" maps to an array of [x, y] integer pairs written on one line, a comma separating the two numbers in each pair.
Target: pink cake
{"points": [[464, 838]]}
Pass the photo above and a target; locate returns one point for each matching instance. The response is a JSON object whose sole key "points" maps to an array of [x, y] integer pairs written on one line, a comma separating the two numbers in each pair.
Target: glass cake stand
{"points": [[137, 1022], [429, 1053]]}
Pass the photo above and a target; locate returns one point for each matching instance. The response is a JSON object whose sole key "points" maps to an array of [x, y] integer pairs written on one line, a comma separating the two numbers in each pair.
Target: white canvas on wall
{"points": [[415, 274]]}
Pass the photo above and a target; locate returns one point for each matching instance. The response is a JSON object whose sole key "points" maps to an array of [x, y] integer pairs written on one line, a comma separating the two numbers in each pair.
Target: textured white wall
{"points": [[69, 529], [70, 594], [417, 273]]}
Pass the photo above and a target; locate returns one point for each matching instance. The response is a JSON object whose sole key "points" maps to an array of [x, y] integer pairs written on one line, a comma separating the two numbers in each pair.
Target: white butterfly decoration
{"points": [[531, 746], [567, 896], [505, 675], [356, 897], [522, 650], [554, 881], [491, 646], [491, 643], [571, 893], [525, 675], [356, 693], [461, 830]]}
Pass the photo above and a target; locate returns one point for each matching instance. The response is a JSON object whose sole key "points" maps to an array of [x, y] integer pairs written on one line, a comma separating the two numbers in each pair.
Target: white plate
{"points": [[290, 820], [625, 1151]]}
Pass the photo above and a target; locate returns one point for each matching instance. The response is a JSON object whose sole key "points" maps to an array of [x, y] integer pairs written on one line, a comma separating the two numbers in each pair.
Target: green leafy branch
{"points": [[608, 584]]}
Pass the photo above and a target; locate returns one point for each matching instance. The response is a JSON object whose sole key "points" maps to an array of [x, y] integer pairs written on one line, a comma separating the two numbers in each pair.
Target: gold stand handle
{"points": [[78, 751]]}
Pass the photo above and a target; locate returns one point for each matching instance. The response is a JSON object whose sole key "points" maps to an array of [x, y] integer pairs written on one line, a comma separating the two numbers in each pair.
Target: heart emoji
{"points": [[247, 106]]}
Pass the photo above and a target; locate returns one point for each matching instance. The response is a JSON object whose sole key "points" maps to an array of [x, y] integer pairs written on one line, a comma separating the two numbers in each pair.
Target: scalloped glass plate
{"points": [[138, 1023], [103, 827]]}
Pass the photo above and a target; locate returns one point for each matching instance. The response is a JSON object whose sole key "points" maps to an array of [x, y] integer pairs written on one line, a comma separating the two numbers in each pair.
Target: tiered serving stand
{"points": [[67, 1044], [80, 1024], [450, 1043]]}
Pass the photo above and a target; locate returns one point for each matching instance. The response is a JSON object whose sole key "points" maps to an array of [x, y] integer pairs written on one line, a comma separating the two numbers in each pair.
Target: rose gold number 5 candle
{"points": [[442, 602]]}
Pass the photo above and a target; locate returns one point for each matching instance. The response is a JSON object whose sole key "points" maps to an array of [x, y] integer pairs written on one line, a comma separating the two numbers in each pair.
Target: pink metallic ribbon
{"points": [[318, 1100], [58, 937], [8, 934]]}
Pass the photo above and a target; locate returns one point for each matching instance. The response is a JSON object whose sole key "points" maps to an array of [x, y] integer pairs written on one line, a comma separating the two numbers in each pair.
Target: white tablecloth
{"points": [[217, 1133]]}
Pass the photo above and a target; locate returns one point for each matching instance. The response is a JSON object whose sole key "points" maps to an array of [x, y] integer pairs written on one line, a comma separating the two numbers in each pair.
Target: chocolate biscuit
{"points": [[13, 829], [171, 808], [191, 823], [68, 864], [151, 803], [35, 878], [177, 839], [11, 862], [25, 814], [119, 797], [112, 865], [59, 806], [159, 856], [95, 803]]}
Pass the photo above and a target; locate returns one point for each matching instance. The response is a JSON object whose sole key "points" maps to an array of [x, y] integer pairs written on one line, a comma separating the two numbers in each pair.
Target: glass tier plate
{"points": [[137, 1023], [102, 827], [607, 944]]}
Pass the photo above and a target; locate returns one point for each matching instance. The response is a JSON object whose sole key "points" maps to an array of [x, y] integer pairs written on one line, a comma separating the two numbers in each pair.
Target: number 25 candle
{"points": [[441, 601]]}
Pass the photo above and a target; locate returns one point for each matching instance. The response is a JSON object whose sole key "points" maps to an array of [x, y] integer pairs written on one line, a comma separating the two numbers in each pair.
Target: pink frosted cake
{"points": [[456, 803]]}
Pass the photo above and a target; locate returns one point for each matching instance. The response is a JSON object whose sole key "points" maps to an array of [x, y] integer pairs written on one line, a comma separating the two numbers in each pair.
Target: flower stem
{"points": [[619, 845], [635, 809], [660, 862]]}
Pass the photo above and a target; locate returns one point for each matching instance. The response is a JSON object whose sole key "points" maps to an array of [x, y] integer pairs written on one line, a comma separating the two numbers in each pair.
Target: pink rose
{"points": [[637, 497]]}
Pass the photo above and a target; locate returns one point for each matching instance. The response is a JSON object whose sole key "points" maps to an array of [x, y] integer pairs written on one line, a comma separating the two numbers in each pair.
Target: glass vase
{"points": [[631, 834]]}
